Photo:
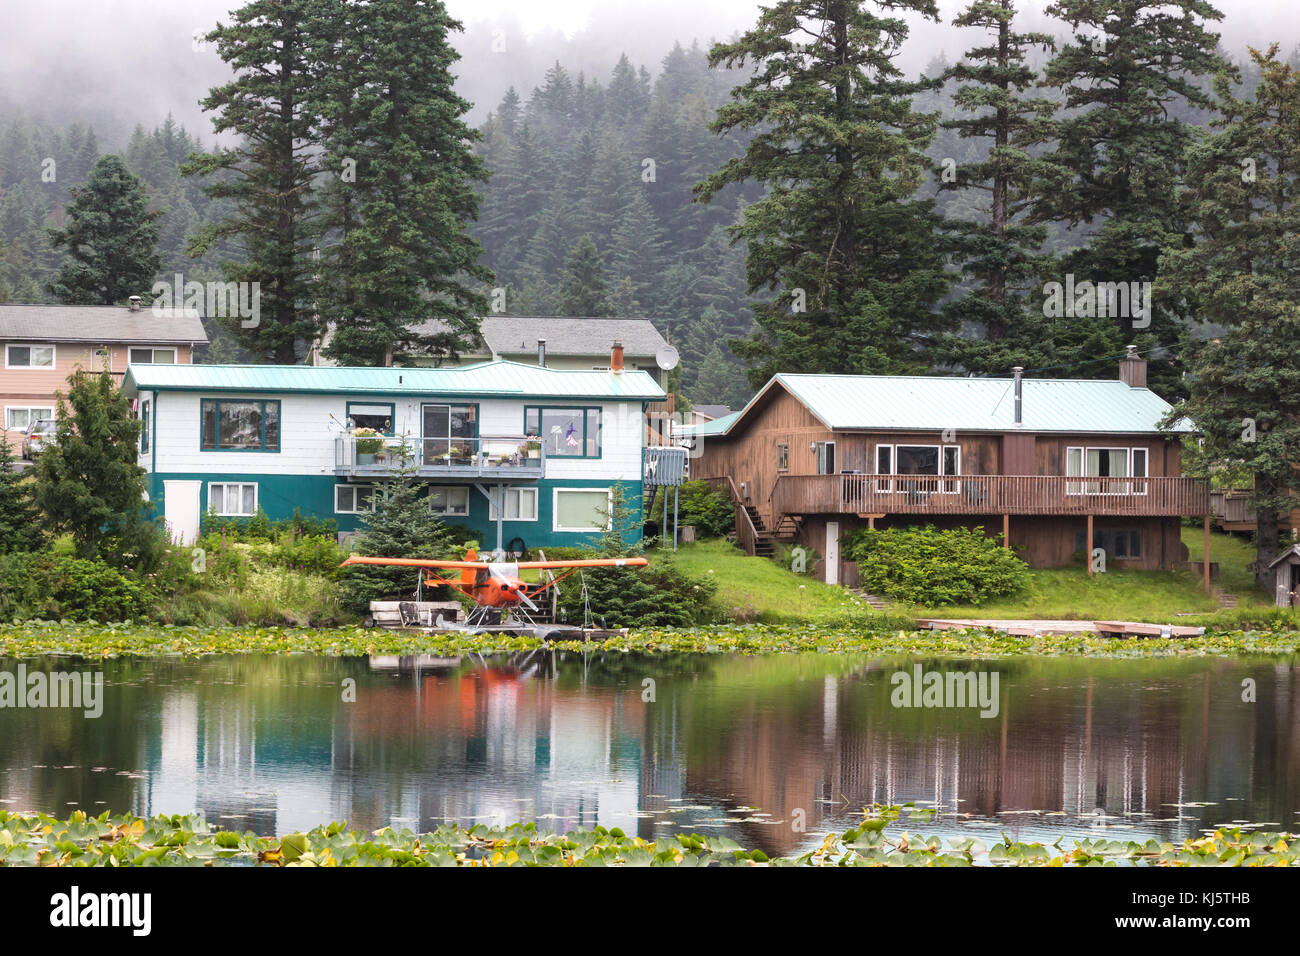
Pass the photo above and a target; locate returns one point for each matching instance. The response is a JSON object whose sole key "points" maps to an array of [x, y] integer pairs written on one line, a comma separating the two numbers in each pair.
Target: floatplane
{"points": [[503, 600]]}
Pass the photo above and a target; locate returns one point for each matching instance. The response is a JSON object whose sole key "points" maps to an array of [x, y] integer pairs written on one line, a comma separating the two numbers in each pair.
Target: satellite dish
{"points": [[667, 358]]}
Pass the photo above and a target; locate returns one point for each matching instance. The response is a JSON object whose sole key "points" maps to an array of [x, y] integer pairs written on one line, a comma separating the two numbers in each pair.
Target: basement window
{"points": [[354, 499], [232, 499], [1116, 542]]}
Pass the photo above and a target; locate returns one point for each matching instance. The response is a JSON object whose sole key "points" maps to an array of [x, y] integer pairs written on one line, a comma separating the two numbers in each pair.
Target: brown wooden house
{"points": [[1060, 467]]}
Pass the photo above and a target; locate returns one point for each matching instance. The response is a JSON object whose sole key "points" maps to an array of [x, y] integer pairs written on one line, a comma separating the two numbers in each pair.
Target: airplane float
{"points": [[498, 591]]}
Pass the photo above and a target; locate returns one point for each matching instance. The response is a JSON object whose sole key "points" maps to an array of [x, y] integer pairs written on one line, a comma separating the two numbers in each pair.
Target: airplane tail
{"points": [[469, 575]]}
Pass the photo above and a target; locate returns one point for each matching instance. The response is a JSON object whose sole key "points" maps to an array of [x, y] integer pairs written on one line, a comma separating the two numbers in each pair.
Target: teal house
{"points": [[515, 452]]}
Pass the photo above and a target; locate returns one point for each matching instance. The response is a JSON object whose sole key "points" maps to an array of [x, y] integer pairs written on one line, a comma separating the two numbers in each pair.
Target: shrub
{"points": [[314, 554], [700, 505], [21, 594], [934, 567], [81, 589], [659, 595]]}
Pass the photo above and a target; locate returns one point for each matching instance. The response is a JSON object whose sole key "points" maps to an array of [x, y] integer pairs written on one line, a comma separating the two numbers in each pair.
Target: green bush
{"points": [[21, 594], [80, 589], [313, 554], [659, 595], [935, 567], [700, 505]]}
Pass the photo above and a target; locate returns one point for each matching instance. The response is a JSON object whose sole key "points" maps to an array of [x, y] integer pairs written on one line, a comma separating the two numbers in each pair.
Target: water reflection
{"points": [[744, 746]]}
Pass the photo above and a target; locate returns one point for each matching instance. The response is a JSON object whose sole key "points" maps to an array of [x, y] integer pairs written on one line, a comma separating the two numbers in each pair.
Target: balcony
{"points": [[494, 457], [988, 495]]}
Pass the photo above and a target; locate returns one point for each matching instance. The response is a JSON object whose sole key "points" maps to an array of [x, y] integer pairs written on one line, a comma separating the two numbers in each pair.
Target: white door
{"points": [[181, 510], [832, 552]]}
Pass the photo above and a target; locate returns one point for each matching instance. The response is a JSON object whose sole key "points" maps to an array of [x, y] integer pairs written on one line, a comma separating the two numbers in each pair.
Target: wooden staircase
{"points": [[787, 528], [764, 540]]}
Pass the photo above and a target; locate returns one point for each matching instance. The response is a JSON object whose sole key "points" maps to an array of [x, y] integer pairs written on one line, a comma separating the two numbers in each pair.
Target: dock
{"points": [[1036, 628]]}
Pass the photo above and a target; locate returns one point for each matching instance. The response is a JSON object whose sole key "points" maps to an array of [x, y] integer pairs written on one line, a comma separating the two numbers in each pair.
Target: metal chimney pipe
{"points": [[135, 303], [1019, 397], [541, 352]]}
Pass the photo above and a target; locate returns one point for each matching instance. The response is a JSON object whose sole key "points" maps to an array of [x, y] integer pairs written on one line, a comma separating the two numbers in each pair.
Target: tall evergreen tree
{"points": [[998, 254], [402, 192], [839, 237], [1240, 276], [19, 527], [110, 239], [584, 291], [1132, 73], [267, 176]]}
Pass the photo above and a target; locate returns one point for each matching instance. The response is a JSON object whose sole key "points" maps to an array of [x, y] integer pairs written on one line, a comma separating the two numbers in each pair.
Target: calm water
{"points": [[742, 746]]}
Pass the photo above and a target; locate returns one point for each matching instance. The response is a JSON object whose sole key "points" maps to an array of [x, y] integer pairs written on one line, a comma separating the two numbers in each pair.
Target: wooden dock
{"points": [[1036, 628]]}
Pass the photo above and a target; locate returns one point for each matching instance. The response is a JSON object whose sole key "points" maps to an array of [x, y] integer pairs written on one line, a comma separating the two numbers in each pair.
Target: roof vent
{"points": [[135, 303], [1019, 370], [541, 352]]}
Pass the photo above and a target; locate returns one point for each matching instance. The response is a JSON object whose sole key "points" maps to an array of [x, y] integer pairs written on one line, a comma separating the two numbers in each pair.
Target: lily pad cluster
{"points": [[189, 840], [96, 640]]}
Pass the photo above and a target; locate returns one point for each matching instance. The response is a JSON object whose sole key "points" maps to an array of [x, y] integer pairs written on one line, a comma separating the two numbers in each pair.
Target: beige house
{"points": [[43, 345]]}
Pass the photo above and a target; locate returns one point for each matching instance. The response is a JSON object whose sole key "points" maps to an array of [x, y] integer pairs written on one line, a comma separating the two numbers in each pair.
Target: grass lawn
{"points": [[757, 589]]}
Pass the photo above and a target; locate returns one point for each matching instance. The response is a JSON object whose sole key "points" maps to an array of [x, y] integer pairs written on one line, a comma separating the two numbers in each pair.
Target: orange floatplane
{"points": [[497, 588]]}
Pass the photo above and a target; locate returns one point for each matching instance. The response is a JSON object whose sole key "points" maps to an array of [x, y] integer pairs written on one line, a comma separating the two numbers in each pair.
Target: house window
{"points": [[521, 505], [1116, 542], [565, 432], [1083, 462], [232, 499], [240, 424], [378, 417], [581, 509], [142, 356], [144, 426], [29, 356], [913, 466], [782, 457], [448, 429], [825, 451], [20, 418], [354, 499], [449, 500]]}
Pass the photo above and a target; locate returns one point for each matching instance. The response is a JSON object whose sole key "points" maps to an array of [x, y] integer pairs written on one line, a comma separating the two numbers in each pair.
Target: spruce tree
{"points": [[110, 239], [839, 237], [88, 482], [584, 290], [403, 178], [1239, 278], [19, 529], [1131, 75], [267, 175], [996, 251]]}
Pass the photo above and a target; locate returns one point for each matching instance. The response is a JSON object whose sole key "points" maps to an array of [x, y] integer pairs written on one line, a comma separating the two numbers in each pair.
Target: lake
{"points": [[769, 750]]}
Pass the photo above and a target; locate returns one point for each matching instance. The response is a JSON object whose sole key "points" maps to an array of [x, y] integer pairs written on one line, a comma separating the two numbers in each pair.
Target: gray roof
{"points": [[935, 403], [100, 324], [517, 335]]}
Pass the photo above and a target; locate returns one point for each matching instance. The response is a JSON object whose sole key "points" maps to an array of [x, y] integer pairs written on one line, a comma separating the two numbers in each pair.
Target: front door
{"points": [[181, 510], [832, 552]]}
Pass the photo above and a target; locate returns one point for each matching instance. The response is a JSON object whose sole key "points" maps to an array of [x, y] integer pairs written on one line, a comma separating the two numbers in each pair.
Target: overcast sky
{"points": [[120, 62]]}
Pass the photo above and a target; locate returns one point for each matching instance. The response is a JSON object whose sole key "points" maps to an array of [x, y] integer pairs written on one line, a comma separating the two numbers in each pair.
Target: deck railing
{"points": [[746, 533], [488, 455], [988, 495]]}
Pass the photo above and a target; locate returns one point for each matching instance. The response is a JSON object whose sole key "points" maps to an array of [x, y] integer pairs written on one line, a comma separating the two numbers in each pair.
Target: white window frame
{"points": [[176, 353], [555, 510], [146, 435], [54, 356], [819, 456], [450, 514], [225, 497], [783, 456], [1079, 487], [941, 486], [355, 488], [492, 505], [30, 418]]}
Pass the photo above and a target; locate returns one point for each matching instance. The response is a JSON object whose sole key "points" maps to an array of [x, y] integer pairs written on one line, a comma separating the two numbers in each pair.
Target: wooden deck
{"points": [[988, 495]]}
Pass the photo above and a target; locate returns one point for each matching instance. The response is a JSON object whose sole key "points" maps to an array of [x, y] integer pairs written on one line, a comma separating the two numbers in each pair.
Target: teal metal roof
{"points": [[718, 426], [489, 379], [935, 403]]}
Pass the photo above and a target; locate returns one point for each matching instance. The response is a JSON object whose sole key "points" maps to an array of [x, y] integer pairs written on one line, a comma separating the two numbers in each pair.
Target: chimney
{"points": [[135, 303], [1018, 370], [1133, 369], [616, 357], [541, 352]]}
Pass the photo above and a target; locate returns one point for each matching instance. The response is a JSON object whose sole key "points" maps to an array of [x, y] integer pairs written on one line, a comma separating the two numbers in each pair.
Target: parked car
{"points": [[39, 434]]}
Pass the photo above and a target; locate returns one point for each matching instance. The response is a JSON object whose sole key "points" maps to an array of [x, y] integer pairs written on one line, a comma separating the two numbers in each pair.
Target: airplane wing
{"points": [[430, 563]]}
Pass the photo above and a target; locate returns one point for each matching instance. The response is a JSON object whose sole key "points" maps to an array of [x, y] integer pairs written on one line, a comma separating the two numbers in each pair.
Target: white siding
{"points": [[309, 424]]}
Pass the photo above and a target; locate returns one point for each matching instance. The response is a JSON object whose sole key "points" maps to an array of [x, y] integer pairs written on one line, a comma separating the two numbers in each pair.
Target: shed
{"points": [[1287, 567]]}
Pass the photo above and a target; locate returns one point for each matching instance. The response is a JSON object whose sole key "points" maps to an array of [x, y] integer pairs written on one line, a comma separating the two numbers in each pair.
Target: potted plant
{"points": [[369, 443], [533, 447]]}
